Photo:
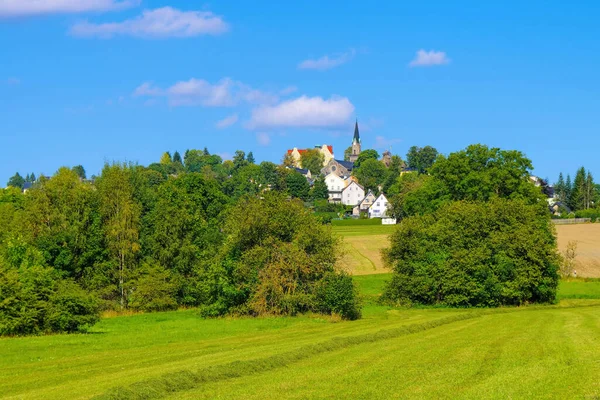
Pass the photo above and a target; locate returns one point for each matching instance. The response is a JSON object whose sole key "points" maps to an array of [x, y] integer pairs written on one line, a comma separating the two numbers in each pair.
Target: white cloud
{"points": [[303, 111], [146, 89], [227, 121], [429, 58], [327, 62], [193, 92], [159, 23], [263, 138], [20, 8]]}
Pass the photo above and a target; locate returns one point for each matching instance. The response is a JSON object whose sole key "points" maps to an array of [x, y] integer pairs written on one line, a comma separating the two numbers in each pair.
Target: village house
{"points": [[296, 154], [352, 194], [335, 186], [379, 207], [367, 202]]}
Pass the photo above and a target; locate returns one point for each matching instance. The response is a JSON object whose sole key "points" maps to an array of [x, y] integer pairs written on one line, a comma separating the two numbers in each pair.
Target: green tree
{"points": [[16, 181], [297, 186], [239, 159], [347, 153], [365, 155], [165, 159], [121, 217], [560, 188], [80, 171], [371, 174], [421, 158], [319, 190], [275, 260], [312, 160], [250, 158], [505, 254], [177, 158]]}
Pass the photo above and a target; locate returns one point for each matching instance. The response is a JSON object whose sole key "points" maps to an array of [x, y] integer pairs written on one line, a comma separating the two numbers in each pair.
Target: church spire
{"points": [[356, 134]]}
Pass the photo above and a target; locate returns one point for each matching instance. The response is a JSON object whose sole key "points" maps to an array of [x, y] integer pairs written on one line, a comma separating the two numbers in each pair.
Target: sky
{"points": [[94, 81]]}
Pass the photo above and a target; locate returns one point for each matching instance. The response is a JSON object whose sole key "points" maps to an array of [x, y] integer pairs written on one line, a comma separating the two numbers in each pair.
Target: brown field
{"points": [[587, 237], [361, 250]]}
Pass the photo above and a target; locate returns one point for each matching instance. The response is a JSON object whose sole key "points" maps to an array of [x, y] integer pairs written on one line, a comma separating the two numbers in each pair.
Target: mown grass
{"points": [[551, 352]]}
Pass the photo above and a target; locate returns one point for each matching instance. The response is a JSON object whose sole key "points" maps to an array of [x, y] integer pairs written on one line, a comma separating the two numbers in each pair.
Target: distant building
{"points": [[367, 202], [338, 167], [379, 208], [305, 172], [387, 158], [296, 154], [335, 186], [353, 193], [356, 145]]}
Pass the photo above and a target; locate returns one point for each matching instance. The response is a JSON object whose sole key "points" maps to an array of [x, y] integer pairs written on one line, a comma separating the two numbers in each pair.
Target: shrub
{"points": [[501, 252], [154, 290], [337, 293], [33, 300]]}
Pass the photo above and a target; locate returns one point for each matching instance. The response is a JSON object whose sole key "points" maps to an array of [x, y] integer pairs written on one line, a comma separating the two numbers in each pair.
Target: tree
{"points": [[250, 158], [393, 173], [297, 186], [481, 173], [288, 160], [560, 188], [365, 155], [121, 215], [177, 158], [239, 160], [421, 158], [475, 254], [80, 171], [568, 190], [278, 259], [347, 153], [312, 160], [371, 174], [319, 190], [166, 158], [16, 181]]}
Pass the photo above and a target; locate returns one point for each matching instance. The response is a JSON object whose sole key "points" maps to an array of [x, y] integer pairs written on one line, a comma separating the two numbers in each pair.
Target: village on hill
{"points": [[342, 185]]}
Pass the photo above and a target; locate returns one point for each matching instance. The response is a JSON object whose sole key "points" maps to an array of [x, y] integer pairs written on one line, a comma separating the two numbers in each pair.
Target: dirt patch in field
{"points": [[362, 254], [587, 237]]}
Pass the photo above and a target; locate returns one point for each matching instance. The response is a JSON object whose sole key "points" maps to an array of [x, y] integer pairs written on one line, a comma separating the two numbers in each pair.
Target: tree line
{"points": [[229, 237]]}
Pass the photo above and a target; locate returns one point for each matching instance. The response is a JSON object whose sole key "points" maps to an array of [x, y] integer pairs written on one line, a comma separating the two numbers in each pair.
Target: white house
{"points": [[335, 186], [353, 194], [366, 203], [379, 207]]}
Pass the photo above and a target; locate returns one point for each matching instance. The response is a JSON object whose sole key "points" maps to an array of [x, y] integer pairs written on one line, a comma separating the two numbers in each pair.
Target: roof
{"points": [[349, 165], [302, 171], [356, 134], [354, 182], [299, 151]]}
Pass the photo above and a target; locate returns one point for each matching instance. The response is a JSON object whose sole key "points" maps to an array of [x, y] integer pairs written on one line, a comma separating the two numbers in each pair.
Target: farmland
{"points": [[363, 244]]}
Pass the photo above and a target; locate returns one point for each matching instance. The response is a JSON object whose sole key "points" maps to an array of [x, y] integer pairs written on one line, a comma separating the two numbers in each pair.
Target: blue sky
{"points": [[89, 81]]}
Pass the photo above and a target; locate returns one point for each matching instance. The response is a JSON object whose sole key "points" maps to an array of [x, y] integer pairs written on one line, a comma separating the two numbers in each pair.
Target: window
{"points": [[377, 204], [333, 168]]}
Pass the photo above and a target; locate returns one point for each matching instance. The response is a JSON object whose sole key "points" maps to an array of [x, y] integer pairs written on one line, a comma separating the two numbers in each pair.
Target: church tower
{"points": [[356, 147]]}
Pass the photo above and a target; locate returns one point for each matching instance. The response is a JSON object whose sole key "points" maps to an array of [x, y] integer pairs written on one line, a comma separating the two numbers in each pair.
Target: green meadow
{"points": [[521, 353]]}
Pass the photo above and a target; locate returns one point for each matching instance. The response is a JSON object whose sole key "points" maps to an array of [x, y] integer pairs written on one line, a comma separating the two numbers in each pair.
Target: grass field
{"points": [[549, 352]]}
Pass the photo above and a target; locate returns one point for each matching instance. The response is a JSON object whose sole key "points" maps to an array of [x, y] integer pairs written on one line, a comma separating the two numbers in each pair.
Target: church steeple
{"points": [[356, 134], [356, 147]]}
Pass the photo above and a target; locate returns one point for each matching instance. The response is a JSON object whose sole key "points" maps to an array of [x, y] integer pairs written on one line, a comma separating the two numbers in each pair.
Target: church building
{"points": [[344, 168]]}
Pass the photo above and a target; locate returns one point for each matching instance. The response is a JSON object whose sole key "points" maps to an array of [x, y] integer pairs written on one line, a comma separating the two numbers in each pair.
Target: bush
{"points": [[592, 213], [33, 300], [153, 290], [501, 252], [337, 293]]}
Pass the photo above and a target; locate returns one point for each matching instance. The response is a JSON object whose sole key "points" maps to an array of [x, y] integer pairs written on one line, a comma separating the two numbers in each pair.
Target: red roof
{"points": [[305, 150]]}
